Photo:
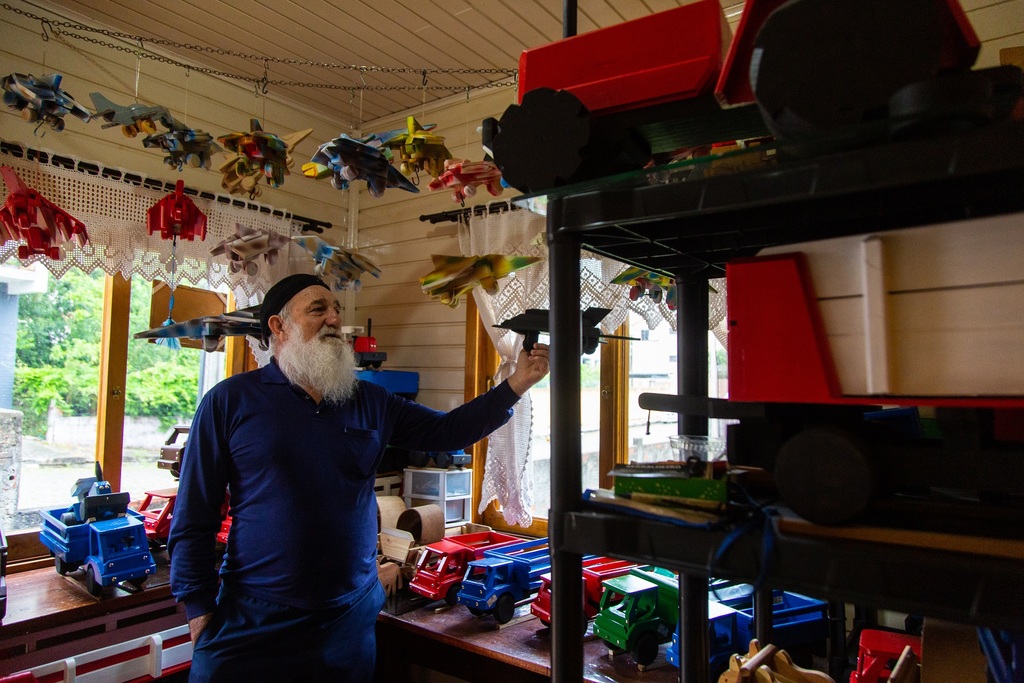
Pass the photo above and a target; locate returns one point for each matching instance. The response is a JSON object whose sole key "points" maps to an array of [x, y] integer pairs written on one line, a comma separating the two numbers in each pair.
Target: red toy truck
{"points": [[878, 653], [442, 565], [595, 571], [156, 517]]}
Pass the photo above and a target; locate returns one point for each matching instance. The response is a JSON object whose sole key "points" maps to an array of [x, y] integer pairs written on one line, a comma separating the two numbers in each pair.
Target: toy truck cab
{"points": [[157, 510], [505, 578], [639, 612], [441, 565]]}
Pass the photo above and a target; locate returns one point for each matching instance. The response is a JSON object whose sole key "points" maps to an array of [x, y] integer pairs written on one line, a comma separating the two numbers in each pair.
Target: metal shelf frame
{"points": [[689, 230]]}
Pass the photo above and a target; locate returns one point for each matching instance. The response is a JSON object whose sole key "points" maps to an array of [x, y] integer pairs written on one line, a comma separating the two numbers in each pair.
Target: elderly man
{"points": [[297, 443]]}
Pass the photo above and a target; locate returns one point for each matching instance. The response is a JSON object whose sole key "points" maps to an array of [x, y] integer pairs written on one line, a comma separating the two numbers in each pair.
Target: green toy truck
{"points": [[639, 612]]}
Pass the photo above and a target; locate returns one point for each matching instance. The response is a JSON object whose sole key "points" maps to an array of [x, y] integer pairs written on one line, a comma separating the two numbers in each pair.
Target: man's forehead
{"points": [[315, 294]]}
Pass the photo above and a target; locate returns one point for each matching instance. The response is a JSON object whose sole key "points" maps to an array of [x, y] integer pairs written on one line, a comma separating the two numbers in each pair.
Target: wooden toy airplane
{"points": [[210, 328], [41, 99], [257, 152], [454, 276], [134, 118], [347, 159], [29, 216], [419, 150], [244, 248], [465, 176], [176, 216], [343, 265], [643, 282], [184, 145]]}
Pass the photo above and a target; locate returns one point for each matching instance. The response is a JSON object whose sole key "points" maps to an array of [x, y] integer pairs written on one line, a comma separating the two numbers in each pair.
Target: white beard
{"points": [[327, 364]]}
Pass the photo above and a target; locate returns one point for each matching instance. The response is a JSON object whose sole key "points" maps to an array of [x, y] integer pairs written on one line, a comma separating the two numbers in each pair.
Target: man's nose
{"points": [[333, 318]]}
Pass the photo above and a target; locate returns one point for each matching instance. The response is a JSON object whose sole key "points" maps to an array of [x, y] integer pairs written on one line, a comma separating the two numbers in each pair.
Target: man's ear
{"points": [[276, 324]]}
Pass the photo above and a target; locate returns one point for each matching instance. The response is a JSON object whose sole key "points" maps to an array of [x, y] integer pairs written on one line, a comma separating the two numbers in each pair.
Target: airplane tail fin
{"points": [[101, 103]]}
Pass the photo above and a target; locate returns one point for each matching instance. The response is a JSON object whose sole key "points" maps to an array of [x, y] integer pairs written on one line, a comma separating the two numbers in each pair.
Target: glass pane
{"points": [[55, 338], [162, 390], [653, 369], [590, 423]]}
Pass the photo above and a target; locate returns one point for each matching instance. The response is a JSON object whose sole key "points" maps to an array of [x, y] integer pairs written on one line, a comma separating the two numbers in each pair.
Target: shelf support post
{"points": [[566, 328]]}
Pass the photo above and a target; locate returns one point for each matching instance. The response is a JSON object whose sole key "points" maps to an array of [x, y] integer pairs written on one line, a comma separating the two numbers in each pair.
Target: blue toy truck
{"points": [[99, 533], [505, 578], [799, 624]]}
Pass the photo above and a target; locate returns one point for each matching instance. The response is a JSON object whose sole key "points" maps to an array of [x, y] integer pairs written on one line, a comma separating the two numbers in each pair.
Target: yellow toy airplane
{"points": [[418, 150], [644, 282], [454, 276]]}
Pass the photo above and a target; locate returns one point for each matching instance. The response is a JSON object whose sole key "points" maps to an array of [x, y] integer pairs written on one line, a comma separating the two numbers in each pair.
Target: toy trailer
{"points": [[639, 612], [505, 578], [441, 565], [595, 571]]}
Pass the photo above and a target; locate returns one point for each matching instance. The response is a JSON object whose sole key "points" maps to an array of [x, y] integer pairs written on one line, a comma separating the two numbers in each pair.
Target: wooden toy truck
{"points": [[441, 565]]}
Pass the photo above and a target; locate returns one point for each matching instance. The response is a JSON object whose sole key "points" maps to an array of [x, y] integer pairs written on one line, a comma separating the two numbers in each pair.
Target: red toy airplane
{"points": [[176, 216], [464, 177], [20, 215]]}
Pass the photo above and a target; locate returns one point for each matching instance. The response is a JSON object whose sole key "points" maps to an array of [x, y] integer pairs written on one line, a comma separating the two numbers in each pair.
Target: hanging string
{"points": [[171, 342], [188, 74], [138, 70]]}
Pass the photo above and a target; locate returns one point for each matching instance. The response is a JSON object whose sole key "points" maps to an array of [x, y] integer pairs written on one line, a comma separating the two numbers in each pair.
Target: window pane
{"points": [[56, 337], [163, 388], [653, 369], [590, 423]]}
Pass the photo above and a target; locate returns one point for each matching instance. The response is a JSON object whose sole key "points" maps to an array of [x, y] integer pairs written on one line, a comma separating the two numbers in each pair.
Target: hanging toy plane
{"points": [[20, 220], [533, 321], [418, 150], [176, 216], [184, 145], [257, 153], [643, 282], [134, 119], [348, 159], [455, 276], [343, 265], [244, 248], [465, 176], [210, 328], [41, 99]]}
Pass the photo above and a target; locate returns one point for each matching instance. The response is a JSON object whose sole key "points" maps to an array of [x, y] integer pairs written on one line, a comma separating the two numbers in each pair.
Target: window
{"points": [[55, 342]]}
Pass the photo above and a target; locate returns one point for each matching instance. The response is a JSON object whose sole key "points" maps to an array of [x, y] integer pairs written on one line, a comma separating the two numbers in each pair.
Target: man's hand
{"points": [[197, 625], [531, 368]]}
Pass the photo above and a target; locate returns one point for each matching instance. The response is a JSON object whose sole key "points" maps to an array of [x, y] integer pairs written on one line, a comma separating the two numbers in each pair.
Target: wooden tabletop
{"points": [[523, 644]]}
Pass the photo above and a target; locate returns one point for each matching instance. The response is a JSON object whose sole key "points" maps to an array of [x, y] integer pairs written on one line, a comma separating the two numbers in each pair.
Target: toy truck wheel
{"points": [[646, 649], [138, 581], [452, 597], [443, 460], [92, 582], [504, 609], [474, 611], [825, 475], [63, 567]]}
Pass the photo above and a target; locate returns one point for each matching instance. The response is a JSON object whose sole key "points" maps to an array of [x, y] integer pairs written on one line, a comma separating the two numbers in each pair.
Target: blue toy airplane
{"points": [[343, 265], [347, 159]]}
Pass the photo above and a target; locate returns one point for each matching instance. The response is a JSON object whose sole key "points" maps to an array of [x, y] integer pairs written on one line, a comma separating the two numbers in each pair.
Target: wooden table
{"points": [[51, 617], [455, 642]]}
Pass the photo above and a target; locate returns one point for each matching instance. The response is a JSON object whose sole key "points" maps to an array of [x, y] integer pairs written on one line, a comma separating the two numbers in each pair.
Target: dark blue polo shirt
{"points": [[304, 518]]}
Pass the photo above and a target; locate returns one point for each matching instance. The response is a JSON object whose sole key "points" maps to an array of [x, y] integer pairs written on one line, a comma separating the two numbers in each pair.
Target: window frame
{"points": [[482, 363]]}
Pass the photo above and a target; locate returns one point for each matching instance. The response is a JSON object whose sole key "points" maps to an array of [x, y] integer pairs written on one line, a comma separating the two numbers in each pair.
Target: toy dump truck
{"points": [[799, 625], [99, 533], [595, 571], [441, 565], [639, 612], [505, 578]]}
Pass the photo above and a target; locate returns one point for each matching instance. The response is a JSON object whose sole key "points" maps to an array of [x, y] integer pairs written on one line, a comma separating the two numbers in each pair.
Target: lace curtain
{"points": [[507, 472], [114, 213]]}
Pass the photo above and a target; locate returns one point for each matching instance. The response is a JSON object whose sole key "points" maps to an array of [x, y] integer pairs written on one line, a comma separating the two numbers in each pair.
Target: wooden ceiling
{"points": [[459, 44]]}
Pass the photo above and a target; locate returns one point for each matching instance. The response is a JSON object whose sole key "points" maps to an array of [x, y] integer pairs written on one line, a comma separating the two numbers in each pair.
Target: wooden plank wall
{"points": [[417, 333]]}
